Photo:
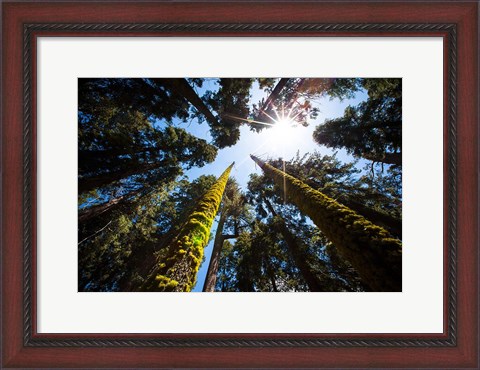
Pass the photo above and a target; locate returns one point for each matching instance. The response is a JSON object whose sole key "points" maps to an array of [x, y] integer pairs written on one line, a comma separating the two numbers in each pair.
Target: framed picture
{"points": [[153, 149]]}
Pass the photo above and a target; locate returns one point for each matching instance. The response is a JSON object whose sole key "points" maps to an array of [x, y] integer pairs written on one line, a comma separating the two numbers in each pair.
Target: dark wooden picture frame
{"points": [[456, 22]]}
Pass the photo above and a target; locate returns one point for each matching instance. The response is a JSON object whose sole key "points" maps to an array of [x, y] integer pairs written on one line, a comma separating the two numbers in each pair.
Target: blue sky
{"points": [[266, 144]]}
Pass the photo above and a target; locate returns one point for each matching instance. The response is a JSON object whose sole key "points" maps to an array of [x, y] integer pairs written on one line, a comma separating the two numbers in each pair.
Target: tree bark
{"points": [[181, 87], [90, 183], [211, 278], [272, 97], [370, 249], [298, 252], [106, 208], [177, 272], [387, 158], [97, 155], [392, 224]]}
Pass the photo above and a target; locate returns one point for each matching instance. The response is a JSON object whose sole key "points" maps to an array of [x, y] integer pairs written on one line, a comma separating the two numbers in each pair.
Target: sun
{"points": [[281, 134], [282, 131]]}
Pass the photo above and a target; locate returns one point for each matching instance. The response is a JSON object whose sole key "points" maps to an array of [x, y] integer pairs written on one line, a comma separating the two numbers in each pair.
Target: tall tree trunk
{"points": [[345, 271], [106, 208], [294, 97], [371, 250], [211, 278], [220, 237], [181, 87], [87, 184], [267, 267], [97, 155], [392, 224], [178, 271], [297, 250], [378, 217], [387, 158], [271, 98]]}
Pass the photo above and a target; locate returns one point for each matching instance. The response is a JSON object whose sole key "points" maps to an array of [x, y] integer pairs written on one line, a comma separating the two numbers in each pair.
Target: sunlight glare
{"points": [[281, 132]]}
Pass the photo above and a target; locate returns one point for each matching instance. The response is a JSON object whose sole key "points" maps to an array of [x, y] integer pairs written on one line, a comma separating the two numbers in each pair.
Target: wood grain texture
{"points": [[15, 354]]}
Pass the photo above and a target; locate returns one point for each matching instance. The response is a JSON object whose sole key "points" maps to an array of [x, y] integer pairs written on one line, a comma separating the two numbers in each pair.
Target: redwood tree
{"points": [[177, 271], [371, 130], [233, 205], [371, 250]]}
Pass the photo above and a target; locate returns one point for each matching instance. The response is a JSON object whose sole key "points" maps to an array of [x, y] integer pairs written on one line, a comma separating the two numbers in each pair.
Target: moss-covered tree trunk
{"points": [[371, 250], [380, 218], [178, 271]]}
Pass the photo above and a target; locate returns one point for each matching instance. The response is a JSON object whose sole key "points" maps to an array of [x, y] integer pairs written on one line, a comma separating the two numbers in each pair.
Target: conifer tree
{"points": [[371, 130], [178, 270], [211, 277], [305, 243], [233, 212], [371, 250], [298, 251], [377, 198]]}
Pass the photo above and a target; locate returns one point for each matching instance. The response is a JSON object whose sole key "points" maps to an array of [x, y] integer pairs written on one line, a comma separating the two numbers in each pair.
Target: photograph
{"points": [[268, 158], [240, 184]]}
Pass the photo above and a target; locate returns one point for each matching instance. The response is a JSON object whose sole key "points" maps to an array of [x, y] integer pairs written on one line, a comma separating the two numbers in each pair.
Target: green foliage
{"points": [[110, 255], [118, 257], [287, 98], [144, 227], [129, 95], [120, 138], [304, 243], [231, 104], [177, 272], [266, 83], [369, 248], [377, 197], [234, 213], [260, 261], [373, 129]]}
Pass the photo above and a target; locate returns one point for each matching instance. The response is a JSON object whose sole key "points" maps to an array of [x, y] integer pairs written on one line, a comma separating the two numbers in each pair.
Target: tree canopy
{"points": [[161, 208], [372, 129]]}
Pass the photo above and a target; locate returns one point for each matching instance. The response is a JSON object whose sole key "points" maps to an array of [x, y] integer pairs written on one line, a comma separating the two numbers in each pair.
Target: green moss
{"points": [[370, 249], [178, 270]]}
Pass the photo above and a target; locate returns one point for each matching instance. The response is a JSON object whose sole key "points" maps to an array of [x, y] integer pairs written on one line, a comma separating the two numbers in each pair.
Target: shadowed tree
{"points": [[118, 251], [178, 270], [369, 248], [232, 207], [300, 238], [259, 262], [181, 88], [105, 256], [230, 102], [98, 97], [371, 130], [299, 253], [157, 151], [260, 195], [370, 197]]}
